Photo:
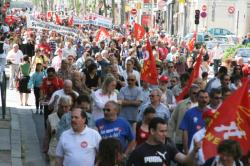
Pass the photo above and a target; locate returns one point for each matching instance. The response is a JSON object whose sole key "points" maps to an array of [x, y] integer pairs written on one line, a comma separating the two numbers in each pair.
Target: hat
{"points": [[207, 114], [164, 78]]}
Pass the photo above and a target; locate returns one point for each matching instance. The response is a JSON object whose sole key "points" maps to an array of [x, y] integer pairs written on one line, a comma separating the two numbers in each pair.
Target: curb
{"points": [[16, 159]]}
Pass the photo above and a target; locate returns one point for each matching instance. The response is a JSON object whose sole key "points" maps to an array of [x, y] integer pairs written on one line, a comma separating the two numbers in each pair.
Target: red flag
{"points": [[10, 19], [58, 19], [192, 42], [231, 121], [139, 31], [149, 73], [102, 34], [49, 15], [193, 77], [70, 21]]}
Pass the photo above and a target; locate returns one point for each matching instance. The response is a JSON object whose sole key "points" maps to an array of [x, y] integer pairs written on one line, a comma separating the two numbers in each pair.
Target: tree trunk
{"points": [[45, 6], [113, 11], [122, 12], [105, 8]]}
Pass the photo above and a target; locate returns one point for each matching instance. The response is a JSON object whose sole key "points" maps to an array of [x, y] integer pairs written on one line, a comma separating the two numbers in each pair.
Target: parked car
{"points": [[202, 37], [226, 46], [244, 53], [219, 32], [227, 39]]}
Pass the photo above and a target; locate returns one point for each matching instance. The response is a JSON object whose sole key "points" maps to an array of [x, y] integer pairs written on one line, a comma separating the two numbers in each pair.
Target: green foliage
{"points": [[230, 52]]}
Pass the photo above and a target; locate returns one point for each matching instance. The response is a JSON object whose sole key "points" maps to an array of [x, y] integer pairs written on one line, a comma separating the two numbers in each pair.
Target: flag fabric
{"points": [[70, 21], [58, 19], [49, 15], [102, 34], [193, 77], [231, 121], [10, 19], [139, 32], [192, 42], [149, 72]]}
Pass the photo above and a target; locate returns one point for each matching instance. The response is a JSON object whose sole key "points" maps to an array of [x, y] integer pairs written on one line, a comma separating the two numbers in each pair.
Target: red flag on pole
{"points": [[102, 34], [192, 42], [231, 121], [70, 21], [149, 72], [58, 19], [193, 77], [139, 31]]}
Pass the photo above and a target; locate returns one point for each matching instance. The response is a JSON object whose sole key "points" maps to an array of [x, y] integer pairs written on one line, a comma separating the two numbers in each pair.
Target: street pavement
{"points": [[21, 133]]}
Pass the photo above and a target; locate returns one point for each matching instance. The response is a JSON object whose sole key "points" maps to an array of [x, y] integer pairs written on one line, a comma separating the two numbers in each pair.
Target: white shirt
{"points": [[68, 51], [15, 57], [78, 149], [56, 62], [99, 101], [217, 53], [198, 136]]}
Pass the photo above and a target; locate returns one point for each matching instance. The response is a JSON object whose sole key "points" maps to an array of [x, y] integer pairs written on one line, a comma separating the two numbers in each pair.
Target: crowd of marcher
{"points": [[98, 111]]}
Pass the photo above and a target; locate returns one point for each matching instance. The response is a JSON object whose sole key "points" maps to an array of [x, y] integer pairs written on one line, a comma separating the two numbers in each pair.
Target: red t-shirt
{"points": [[141, 136], [50, 86]]}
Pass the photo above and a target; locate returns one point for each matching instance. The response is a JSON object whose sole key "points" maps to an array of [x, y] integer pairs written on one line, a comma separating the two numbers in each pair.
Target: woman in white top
{"points": [[50, 140], [104, 94]]}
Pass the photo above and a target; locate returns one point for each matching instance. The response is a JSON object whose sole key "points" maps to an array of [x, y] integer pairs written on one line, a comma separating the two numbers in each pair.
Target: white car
{"points": [[244, 53]]}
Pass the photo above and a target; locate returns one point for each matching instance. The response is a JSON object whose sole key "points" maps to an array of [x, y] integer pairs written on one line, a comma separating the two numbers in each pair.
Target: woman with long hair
{"points": [[104, 94], [110, 153]]}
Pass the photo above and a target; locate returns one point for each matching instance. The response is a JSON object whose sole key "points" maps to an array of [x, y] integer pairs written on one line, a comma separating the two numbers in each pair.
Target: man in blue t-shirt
{"points": [[113, 126], [192, 120]]}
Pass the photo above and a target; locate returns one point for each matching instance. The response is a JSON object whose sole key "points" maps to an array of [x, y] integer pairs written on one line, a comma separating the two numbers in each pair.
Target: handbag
{"points": [[17, 80]]}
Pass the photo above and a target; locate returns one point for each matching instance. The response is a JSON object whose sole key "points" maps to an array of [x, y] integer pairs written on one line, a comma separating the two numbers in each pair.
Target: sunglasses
{"points": [[153, 95], [170, 66], [106, 109], [130, 79]]}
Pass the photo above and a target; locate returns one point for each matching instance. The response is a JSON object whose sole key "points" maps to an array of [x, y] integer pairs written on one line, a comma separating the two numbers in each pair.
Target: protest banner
{"points": [[38, 24], [94, 19]]}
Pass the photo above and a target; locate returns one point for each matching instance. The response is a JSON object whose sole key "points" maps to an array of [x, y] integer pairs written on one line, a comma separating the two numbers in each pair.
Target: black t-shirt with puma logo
{"points": [[152, 155]]}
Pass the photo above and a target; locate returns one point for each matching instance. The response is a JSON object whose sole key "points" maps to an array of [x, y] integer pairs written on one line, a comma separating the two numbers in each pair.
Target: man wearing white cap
{"points": [[14, 58]]}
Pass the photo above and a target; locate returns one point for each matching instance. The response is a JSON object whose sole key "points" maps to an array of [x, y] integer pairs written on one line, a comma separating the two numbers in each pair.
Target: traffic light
{"points": [[197, 17]]}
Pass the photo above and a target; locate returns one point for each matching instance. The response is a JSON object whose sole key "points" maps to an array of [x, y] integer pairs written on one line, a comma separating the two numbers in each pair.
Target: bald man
{"points": [[67, 90]]}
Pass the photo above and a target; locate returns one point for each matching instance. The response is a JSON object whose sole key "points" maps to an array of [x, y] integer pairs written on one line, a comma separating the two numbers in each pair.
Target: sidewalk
{"points": [[19, 143]]}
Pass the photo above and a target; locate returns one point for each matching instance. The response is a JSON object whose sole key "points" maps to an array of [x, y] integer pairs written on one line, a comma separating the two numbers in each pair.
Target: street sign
{"points": [[133, 11], [204, 8], [231, 9], [203, 14]]}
